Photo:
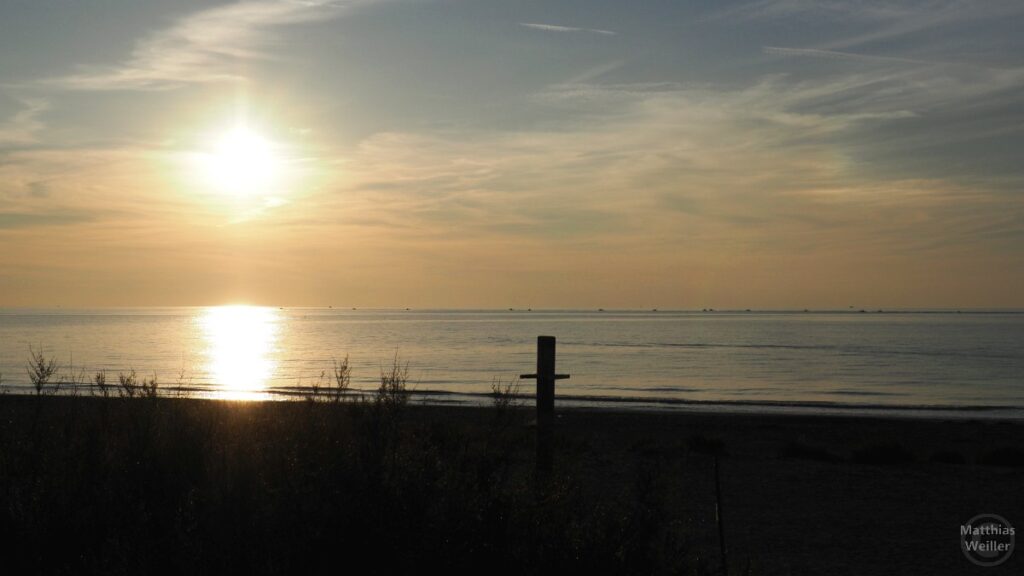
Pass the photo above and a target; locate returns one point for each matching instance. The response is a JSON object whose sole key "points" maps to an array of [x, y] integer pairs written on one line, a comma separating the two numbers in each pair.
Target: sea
{"points": [[941, 363]]}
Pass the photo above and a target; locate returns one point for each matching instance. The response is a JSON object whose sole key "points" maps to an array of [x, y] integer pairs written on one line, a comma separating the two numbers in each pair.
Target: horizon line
{"points": [[849, 309]]}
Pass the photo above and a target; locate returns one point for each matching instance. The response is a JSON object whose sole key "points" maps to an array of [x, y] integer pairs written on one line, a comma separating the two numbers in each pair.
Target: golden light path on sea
{"points": [[241, 343]]}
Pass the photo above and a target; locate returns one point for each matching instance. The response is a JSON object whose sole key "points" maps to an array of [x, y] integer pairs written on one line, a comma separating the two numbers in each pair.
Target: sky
{"points": [[545, 154]]}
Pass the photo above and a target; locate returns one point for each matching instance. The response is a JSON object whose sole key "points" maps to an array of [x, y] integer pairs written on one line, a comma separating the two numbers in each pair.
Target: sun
{"points": [[241, 162]]}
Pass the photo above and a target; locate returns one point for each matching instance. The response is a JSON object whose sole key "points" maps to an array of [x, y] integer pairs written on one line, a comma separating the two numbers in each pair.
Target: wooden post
{"points": [[720, 520], [545, 377]]}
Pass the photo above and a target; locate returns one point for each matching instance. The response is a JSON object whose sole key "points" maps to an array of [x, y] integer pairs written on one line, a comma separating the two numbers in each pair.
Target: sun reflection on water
{"points": [[241, 346]]}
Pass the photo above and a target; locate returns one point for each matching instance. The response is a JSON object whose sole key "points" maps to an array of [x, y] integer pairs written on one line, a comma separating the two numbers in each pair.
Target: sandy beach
{"points": [[823, 495], [116, 485]]}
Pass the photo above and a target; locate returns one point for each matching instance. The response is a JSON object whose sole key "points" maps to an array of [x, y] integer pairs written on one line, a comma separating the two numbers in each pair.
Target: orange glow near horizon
{"points": [[240, 347]]}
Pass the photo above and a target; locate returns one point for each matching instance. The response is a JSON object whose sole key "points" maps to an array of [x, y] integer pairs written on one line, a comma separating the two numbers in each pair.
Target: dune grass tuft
{"points": [[342, 378], [41, 369], [392, 393]]}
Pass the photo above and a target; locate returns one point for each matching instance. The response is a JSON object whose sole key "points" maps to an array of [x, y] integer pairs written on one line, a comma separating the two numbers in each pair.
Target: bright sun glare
{"points": [[241, 347], [241, 162]]}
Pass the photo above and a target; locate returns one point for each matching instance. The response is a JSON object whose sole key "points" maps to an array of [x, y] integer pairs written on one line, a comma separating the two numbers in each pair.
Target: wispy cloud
{"points": [[15, 220], [838, 55], [872, 21], [922, 16], [872, 10], [201, 47], [22, 127], [556, 28], [774, 168]]}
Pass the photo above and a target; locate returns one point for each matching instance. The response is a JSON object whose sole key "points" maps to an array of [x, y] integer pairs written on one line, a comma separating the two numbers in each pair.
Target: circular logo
{"points": [[987, 539]]}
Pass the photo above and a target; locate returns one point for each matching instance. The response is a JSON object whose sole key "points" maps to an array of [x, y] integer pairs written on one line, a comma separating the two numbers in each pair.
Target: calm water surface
{"points": [[846, 359]]}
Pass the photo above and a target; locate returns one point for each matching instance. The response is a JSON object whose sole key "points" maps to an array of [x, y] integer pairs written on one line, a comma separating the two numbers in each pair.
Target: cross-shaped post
{"points": [[545, 377]]}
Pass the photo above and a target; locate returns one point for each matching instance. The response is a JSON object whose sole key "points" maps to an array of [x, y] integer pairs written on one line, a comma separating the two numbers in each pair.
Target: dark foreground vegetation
{"points": [[140, 485], [112, 485]]}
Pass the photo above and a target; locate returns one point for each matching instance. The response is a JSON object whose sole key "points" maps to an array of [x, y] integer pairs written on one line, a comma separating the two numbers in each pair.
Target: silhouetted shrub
{"points": [[342, 379], [128, 384], [149, 388], [392, 393], [100, 385], [40, 369], [504, 395]]}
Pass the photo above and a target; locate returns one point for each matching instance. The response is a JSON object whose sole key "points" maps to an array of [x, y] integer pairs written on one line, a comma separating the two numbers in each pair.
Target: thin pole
{"points": [[720, 521], [545, 402]]}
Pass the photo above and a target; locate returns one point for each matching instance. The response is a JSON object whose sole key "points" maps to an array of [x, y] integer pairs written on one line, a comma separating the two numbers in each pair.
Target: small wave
{"points": [[851, 350], [612, 401], [848, 392], [645, 389]]}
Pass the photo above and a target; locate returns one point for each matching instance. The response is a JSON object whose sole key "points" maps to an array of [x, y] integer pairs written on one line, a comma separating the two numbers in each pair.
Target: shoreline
{"points": [[828, 363], [602, 403]]}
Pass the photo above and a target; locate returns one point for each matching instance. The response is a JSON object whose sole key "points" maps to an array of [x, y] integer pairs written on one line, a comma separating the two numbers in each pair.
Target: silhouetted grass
{"points": [[504, 395], [333, 387], [164, 485], [130, 481], [99, 382], [128, 384], [342, 379], [116, 485], [392, 394], [120, 485]]}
